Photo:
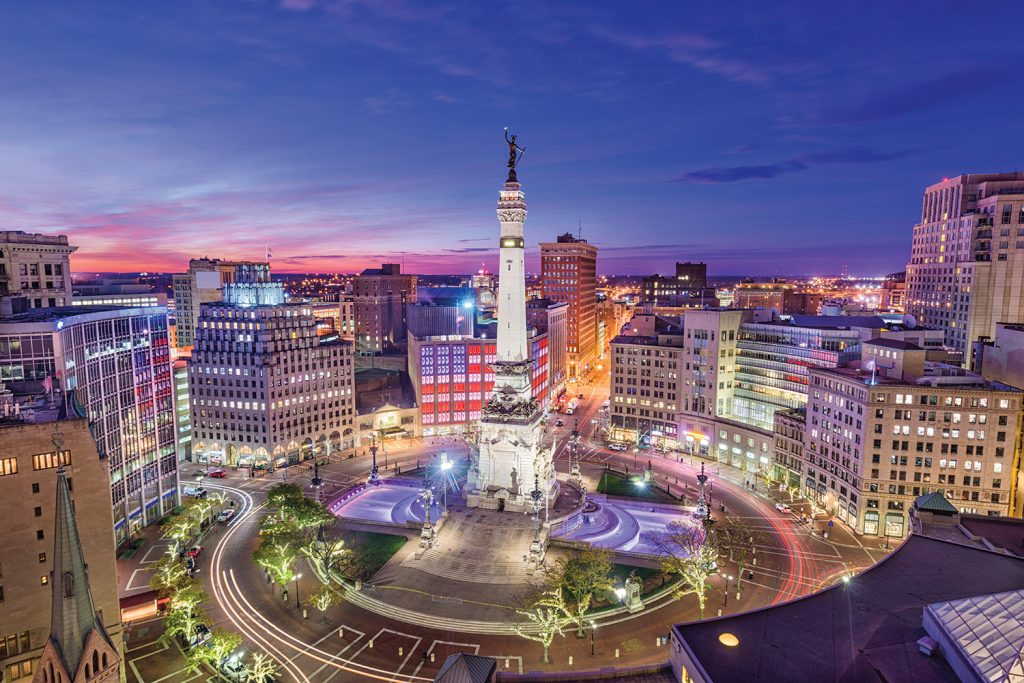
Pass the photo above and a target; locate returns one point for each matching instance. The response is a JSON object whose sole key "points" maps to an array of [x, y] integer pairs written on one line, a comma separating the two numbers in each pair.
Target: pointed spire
{"points": [[73, 614]]}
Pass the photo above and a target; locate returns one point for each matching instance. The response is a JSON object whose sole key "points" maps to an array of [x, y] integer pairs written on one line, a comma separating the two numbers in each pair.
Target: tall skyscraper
{"points": [[42, 542], [381, 296], [204, 283], [112, 365], [512, 462], [265, 388], [966, 270], [568, 269], [36, 267]]}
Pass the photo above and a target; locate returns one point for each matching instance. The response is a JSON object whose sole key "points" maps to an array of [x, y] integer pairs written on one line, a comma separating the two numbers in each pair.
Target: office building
{"points": [[42, 541], [1001, 359], [204, 283], [380, 297], [894, 292], [182, 409], [36, 267], [551, 318], [901, 426], [966, 270], [114, 365], [453, 377], [773, 359], [569, 273], [780, 296], [646, 396], [265, 389], [688, 288], [441, 311], [111, 292]]}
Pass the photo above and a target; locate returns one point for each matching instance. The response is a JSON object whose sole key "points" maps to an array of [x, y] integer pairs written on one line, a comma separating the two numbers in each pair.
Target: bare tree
{"points": [[687, 551], [738, 540], [546, 617]]}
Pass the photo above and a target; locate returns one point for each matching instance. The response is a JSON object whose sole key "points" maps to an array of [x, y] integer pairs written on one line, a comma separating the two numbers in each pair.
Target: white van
{"points": [[195, 491]]}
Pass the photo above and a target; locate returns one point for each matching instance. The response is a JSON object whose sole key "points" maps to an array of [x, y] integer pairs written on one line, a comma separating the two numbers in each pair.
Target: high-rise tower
{"points": [[512, 465]]}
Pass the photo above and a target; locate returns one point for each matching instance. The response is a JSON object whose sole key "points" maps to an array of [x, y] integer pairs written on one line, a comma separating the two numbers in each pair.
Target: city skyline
{"points": [[759, 144]]}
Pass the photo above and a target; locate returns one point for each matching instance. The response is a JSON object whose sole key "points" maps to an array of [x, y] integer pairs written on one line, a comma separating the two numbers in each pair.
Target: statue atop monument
{"points": [[515, 153]]}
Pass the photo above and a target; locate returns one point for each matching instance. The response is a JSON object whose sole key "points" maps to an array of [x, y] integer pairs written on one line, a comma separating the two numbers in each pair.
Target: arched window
{"points": [[95, 661], [87, 676], [104, 661]]}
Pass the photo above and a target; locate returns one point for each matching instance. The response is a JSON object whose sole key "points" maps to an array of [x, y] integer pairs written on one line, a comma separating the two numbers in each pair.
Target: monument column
{"points": [[511, 458]]}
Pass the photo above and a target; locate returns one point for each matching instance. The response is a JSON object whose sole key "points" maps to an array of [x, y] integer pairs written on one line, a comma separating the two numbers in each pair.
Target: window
{"points": [[47, 461], [38, 511], [39, 535], [42, 557], [35, 488], [8, 466]]}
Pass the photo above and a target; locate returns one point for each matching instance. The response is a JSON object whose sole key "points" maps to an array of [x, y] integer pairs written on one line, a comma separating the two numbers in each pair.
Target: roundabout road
{"points": [[348, 643]]}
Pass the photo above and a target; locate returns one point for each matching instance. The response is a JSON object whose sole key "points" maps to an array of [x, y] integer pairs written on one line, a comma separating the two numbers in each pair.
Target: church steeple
{"points": [[78, 648]]}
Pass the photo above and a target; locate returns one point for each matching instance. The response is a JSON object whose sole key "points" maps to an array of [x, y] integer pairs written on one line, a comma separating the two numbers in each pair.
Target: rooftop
{"points": [[894, 344], [46, 315], [840, 321], [864, 630]]}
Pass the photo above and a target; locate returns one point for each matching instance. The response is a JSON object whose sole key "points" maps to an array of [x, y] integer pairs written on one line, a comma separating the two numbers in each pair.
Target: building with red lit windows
{"points": [[452, 378]]}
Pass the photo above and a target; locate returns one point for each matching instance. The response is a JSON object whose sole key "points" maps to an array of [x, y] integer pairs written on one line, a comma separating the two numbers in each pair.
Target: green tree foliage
{"points": [[578, 578]]}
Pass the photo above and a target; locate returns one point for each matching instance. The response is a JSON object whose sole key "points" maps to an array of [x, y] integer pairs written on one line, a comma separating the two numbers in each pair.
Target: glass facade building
{"points": [[772, 363], [113, 366]]}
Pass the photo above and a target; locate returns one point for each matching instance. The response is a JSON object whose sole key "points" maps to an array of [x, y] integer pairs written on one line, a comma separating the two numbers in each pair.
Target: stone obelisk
{"points": [[512, 463]]}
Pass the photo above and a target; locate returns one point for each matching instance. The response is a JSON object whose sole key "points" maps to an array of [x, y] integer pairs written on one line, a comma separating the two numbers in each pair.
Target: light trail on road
{"points": [[247, 619]]}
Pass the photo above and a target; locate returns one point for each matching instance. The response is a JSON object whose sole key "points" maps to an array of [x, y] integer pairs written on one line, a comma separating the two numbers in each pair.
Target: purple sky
{"points": [[765, 138]]}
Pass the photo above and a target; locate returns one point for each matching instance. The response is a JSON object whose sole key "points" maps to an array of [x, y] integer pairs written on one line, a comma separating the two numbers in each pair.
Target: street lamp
{"points": [[593, 630], [446, 466], [725, 596], [297, 577]]}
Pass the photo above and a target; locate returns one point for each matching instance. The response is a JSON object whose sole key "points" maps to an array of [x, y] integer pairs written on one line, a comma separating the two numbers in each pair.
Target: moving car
{"points": [[617, 446], [560, 423], [195, 491], [217, 473], [194, 551], [225, 515], [783, 508]]}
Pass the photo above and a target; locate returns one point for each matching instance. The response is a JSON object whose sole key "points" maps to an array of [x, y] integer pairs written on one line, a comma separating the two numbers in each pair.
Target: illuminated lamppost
{"points": [[446, 466], [702, 502], [374, 472], [574, 444], [725, 596], [297, 604], [593, 630]]}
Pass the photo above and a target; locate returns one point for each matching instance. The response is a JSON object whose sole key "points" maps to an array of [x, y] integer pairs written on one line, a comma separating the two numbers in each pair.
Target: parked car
{"points": [[560, 423], [217, 473], [200, 473], [202, 635], [235, 668], [195, 491], [225, 516], [783, 508], [195, 551]]}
